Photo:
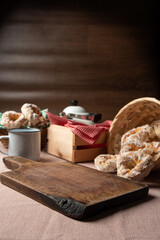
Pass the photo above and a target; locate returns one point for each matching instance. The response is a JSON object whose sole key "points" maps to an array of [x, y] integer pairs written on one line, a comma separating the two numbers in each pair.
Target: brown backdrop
{"points": [[100, 53]]}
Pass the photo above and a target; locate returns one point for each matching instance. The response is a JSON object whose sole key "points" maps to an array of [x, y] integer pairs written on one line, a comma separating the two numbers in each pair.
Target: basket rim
{"points": [[138, 100], [124, 109]]}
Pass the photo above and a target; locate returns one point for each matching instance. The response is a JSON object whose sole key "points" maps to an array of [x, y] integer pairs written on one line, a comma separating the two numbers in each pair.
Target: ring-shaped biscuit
{"points": [[136, 137], [106, 163], [138, 155], [134, 165], [12, 119], [32, 113]]}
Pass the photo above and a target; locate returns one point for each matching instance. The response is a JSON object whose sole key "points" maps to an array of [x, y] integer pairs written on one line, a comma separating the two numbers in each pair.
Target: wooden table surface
{"points": [[25, 219]]}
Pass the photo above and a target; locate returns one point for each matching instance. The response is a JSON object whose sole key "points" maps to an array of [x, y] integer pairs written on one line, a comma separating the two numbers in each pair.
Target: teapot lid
{"points": [[73, 108]]}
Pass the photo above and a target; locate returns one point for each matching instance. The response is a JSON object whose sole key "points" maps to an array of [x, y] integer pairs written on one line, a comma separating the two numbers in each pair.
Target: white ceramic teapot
{"points": [[79, 114]]}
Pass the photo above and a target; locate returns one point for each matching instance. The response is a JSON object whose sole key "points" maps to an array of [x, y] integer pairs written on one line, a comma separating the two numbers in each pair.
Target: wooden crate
{"points": [[65, 144]]}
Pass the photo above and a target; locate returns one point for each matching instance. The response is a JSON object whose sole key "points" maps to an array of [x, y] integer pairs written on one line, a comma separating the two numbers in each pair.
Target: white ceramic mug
{"points": [[24, 142]]}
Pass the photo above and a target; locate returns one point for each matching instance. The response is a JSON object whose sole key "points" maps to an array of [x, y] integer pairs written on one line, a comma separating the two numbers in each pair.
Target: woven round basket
{"points": [[136, 113], [43, 137], [5, 140]]}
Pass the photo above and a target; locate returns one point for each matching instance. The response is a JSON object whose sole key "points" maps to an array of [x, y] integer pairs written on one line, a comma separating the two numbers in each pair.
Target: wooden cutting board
{"points": [[74, 190]]}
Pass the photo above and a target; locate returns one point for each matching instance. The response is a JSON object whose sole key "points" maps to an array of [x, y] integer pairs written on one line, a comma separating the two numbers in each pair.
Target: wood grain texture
{"points": [[73, 190], [101, 53], [65, 144]]}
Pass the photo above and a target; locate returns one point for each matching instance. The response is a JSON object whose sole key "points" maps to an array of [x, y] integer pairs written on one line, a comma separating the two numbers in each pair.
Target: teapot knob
{"points": [[74, 102]]}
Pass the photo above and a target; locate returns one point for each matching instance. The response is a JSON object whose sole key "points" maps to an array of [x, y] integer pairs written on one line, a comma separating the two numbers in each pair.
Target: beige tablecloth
{"points": [[22, 218]]}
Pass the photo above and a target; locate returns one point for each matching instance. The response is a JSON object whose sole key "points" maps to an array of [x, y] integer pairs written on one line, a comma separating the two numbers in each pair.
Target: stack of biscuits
{"points": [[30, 117], [133, 144]]}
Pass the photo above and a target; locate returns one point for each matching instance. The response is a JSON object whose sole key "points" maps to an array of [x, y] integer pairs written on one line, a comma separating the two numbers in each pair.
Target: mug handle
{"points": [[3, 137]]}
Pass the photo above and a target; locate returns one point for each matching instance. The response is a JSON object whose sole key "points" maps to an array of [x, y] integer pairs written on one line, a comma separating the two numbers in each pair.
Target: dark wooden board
{"points": [[74, 190]]}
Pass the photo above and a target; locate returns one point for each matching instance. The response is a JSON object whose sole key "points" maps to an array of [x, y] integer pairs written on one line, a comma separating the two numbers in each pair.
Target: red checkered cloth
{"points": [[88, 133]]}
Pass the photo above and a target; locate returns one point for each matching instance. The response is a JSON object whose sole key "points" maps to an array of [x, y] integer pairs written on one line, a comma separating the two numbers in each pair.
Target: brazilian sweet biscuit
{"points": [[12, 119], [134, 165], [156, 128], [33, 114], [139, 154], [106, 163]]}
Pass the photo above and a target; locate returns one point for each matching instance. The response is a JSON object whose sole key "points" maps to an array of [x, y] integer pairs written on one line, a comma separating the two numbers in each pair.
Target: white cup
{"points": [[24, 142]]}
